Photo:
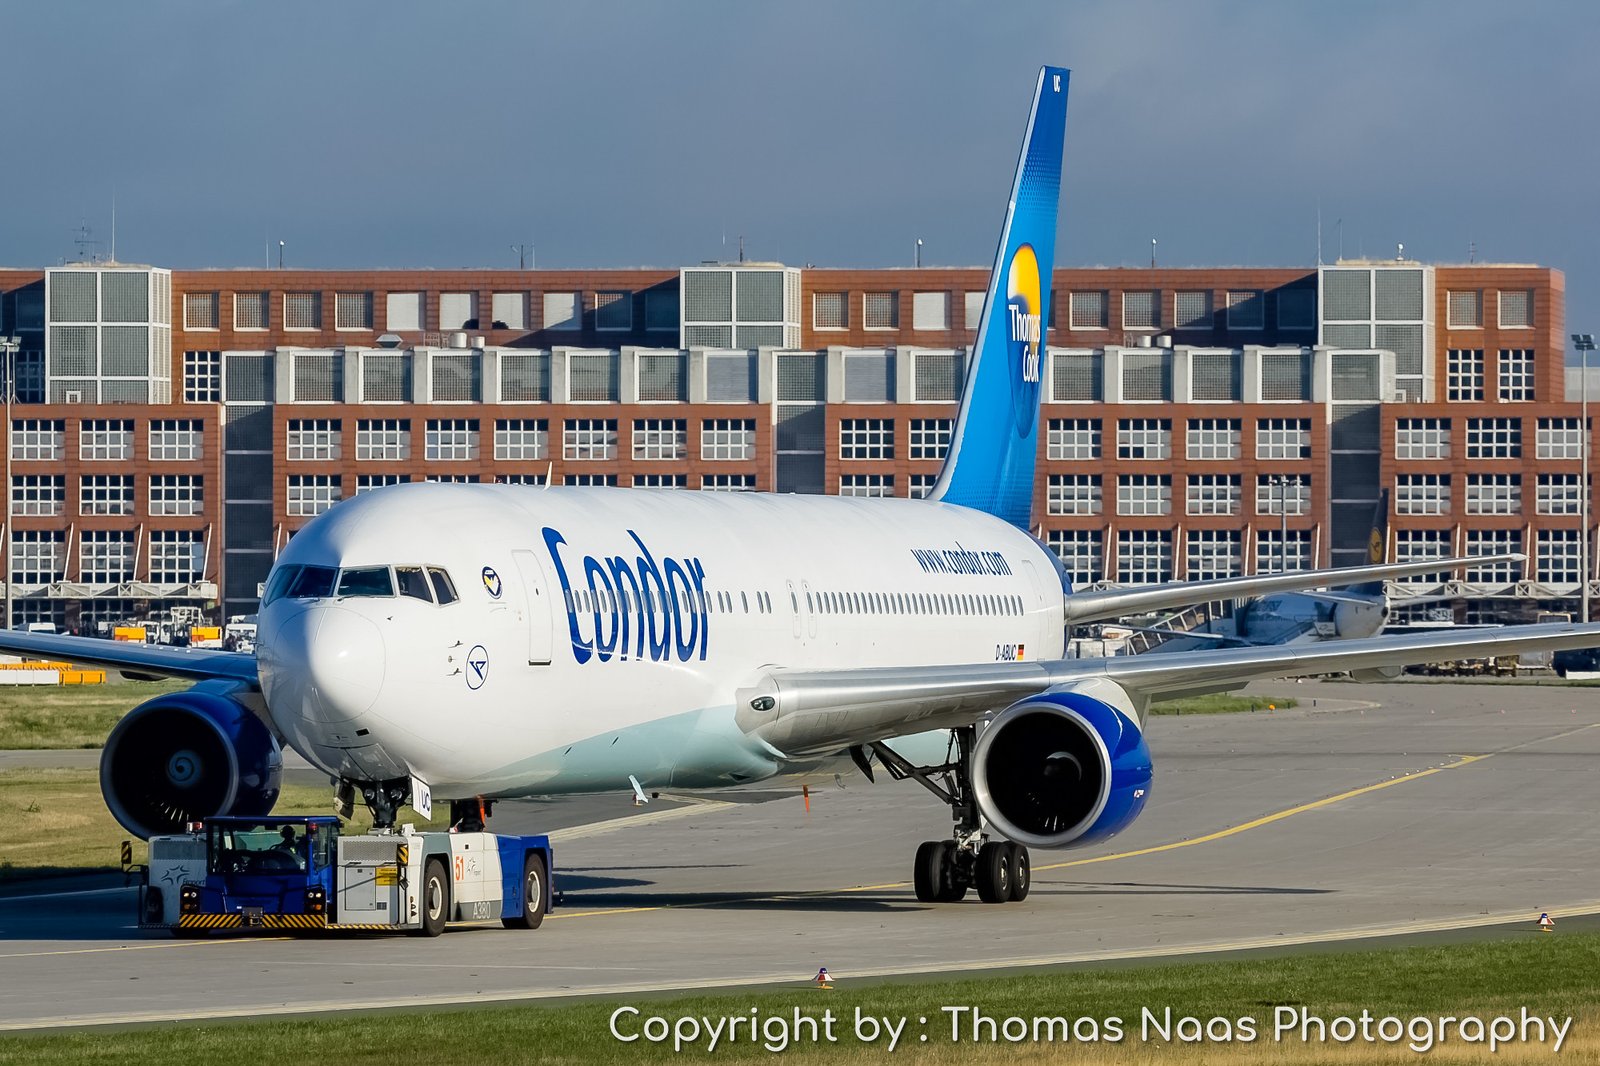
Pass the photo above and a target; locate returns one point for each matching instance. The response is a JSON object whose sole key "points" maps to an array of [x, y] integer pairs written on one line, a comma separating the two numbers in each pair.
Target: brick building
{"points": [[174, 428]]}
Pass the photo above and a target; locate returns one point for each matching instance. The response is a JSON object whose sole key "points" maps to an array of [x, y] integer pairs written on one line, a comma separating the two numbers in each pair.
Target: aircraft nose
{"points": [[334, 657]]}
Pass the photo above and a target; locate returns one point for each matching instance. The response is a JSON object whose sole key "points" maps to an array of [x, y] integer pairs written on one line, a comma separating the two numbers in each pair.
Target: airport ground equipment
{"points": [[301, 874]]}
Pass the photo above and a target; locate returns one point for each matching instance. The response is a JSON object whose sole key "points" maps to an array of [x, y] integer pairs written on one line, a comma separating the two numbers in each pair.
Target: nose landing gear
{"points": [[944, 870]]}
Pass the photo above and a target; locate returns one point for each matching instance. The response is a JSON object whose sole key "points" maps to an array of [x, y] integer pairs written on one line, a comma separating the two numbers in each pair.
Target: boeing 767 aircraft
{"points": [[479, 641]]}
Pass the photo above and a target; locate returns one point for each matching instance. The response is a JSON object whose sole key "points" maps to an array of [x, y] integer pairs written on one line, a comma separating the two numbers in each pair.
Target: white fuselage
{"points": [[602, 633]]}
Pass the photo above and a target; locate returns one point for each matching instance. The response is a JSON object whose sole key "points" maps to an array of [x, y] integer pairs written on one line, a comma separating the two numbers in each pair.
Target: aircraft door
{"points": [[541, 606]]}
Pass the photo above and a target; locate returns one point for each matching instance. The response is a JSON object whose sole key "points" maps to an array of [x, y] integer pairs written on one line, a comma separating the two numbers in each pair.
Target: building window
{"points": [[302, 310], [613, 311], [458, 310], [521, 439], [1086, 310], [1144, 438], [866, 485], [1285, 376], [728, 482], [1280, 494], [36, 495], [451, 439], [1074, 494], [1416, 545], [176, 440], [1141, 310], [313, 439], [521, 479], [1212, 554], [311, 494], [1146, 376], [1494, 438], [660, 481], [866, 438], [1215, 376], [1464, 310], [590, 480], [563, 311], [660, 438], [1422, 494], [37, 556], [202, 377], [452, 479], [930, 437], [660, 377], [1247, 309], [1557, 558], [250, 310], [352, 310], [921, 485], [1494, 493], [105, 439], [1422, 438], [1516, 309], [1559, 438], [200, 310], [1465, 366], [930, 311], [1076, 376], [880, 310], [1283, 438], [1558, 494], [107, 556], [592, 377], [972, 308], [1193, 310], [1494, 542], [586, 439], [177, 494], [383, 439], [368, 482], [1213, 438], [728, 438], [830, 310], [1073, 438], [1276, 553], [1144, 556], [1214, 493], [1079, 552], [1516, 375], [508, 310], [105, 494], [1144, 494], [176, 556], [38, 439]]}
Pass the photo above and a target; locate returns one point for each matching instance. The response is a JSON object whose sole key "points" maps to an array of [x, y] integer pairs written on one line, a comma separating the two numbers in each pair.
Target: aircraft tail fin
{"points": [[1377, 545], [990, 465]]}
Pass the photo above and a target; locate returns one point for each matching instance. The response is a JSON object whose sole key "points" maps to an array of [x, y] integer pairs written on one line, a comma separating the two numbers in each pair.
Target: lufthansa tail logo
{"points": [[1024, 332]]}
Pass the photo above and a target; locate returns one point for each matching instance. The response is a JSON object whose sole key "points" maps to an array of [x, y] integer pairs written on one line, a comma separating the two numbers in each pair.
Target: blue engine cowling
{"points": [[1061, 769], [186, 756]]}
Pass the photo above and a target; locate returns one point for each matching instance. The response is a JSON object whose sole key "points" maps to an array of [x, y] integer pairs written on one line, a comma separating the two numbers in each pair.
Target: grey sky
{"points": [[399, 134]]}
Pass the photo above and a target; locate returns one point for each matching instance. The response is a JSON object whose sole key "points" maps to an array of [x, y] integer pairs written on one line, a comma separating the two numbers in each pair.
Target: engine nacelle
{"points": [[1353, 619], [1064, 768], [186, 756]]}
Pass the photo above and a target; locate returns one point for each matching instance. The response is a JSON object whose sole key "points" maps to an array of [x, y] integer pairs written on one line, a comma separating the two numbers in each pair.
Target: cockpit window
{"points": [[280, 581], [365, 581], [413, 583], [313, 582], [443, 588]]}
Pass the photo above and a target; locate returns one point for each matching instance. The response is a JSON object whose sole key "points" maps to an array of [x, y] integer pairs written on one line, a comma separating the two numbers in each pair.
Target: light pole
{"points": [[1584, 342], [919, 253], [9, 346]]}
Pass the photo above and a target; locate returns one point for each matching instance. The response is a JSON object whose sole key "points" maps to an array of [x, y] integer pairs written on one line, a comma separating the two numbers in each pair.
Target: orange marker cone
{"points": [[1546, 925], [822, 979], [805, 790]]}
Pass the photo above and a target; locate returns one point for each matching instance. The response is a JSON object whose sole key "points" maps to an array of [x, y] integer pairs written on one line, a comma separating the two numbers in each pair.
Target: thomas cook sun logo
{"points": [[1023, 334]]}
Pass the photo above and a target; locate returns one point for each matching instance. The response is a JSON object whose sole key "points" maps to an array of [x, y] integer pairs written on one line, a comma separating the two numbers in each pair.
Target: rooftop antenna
{"points": [[524, 254], [1399, 252], [1472, 251], [86, 243], [741, 247], [113, 225], [1152, 253]]}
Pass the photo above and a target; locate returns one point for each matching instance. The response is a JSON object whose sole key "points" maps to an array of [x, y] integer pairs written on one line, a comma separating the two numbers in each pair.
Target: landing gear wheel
{"points": [[994, 872], [435, 899], [1021, 873], [929, 872], [534, 902]]}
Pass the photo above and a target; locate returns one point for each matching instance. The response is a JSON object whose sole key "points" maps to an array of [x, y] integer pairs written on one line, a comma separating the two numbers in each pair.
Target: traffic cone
{"points": [[1547, 924], [822, 979]]}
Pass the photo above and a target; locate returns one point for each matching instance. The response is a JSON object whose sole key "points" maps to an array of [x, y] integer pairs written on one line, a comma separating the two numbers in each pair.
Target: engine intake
{"points": [[1063, 768], [186, 756]]}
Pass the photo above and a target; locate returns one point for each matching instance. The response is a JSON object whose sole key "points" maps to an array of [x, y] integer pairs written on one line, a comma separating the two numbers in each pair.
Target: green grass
{"points": [[1220, 704], [54, 823], [1555, 976], [70, 716]]}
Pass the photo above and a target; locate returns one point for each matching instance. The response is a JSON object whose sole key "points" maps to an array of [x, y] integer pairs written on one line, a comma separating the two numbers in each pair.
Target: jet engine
{"points": [[186, 756], [1065, 768], [1353, 619]]}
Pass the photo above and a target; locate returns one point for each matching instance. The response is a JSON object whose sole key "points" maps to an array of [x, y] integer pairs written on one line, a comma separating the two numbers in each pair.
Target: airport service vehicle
{"points": [[288, 874], [472, 641]]}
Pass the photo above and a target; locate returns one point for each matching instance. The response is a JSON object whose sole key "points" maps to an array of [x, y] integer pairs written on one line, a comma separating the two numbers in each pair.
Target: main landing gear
{"points": [[946, 869]]}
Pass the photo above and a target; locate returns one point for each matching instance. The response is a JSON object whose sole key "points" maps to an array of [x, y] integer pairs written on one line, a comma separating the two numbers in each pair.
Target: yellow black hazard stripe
{"points": [[267, 921]]}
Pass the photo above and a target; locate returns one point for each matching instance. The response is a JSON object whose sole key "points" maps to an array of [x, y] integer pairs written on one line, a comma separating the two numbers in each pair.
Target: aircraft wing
{"points": [[196, 664], [813, 712], [1104, 604]]}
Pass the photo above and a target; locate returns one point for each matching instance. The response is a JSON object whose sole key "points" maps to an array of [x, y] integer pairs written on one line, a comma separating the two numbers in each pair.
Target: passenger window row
{"points": [[974, 605], [589, 600], [429, 584]]}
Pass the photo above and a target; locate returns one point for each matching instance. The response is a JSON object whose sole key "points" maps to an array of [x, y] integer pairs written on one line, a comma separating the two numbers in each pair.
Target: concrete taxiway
{"points": [[1423, 807]]}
